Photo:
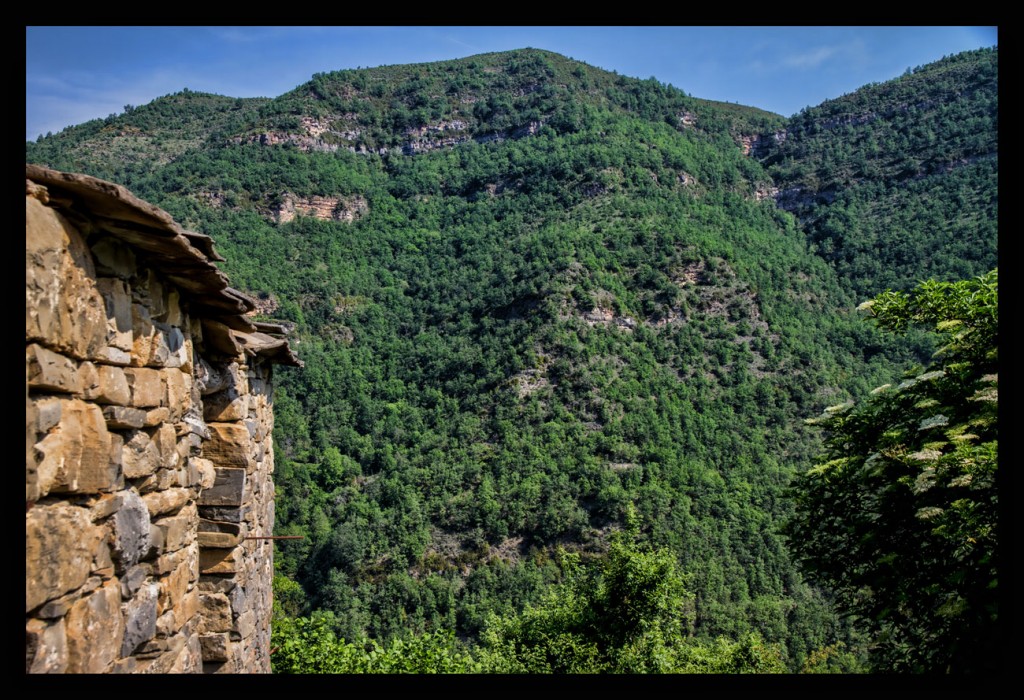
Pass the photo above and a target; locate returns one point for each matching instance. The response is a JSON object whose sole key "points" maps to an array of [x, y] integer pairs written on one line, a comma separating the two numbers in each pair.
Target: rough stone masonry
{"points": [[148, 457]]}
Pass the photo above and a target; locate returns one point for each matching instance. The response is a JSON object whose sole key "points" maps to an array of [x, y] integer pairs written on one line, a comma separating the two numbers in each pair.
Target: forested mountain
{"points": [[534, 297], [897, 182]]}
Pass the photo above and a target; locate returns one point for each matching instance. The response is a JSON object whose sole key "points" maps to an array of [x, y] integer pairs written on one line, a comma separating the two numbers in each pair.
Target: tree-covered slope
{"points": [[897, 182], [141, 139], [530, 295]]}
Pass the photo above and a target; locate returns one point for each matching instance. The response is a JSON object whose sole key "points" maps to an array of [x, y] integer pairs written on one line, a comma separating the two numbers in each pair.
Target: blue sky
{"points": [[74, 74]]}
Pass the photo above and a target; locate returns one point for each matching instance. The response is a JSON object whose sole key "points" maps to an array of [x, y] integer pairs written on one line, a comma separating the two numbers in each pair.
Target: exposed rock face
{"points": [[346, 209], [758, 145], [264, 305], [126, 322], [328, 134]]}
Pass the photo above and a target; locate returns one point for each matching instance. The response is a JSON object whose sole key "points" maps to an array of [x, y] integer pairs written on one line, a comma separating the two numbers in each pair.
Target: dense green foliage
{"points": [[309, 645], [897, 182], [901, 519], [627, 612], [559, 298], [124, 147]]}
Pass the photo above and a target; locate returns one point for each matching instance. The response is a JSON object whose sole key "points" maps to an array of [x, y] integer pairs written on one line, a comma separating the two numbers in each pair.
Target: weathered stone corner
{"points": [[148, 455]]}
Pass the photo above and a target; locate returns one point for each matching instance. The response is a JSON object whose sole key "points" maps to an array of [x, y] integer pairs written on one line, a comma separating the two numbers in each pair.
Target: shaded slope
{"points": [[897, 181]]}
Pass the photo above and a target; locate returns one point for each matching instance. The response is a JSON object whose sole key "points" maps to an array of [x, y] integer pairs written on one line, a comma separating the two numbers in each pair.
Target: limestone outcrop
{"points": [[148, 455]]}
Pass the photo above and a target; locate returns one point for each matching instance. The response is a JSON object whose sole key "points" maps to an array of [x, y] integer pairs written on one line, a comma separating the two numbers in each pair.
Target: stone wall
{"points": [[148, 467]]}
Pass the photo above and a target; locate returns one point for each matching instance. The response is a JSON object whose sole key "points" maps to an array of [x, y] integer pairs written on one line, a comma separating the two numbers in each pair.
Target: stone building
{"points": [[148, 458]]}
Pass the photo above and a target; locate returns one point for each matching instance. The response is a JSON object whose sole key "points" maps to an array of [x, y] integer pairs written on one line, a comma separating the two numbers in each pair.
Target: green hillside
{"points": [[897, 182], [532, 297]]}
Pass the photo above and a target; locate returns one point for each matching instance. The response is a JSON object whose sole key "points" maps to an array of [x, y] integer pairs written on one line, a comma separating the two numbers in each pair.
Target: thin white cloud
{"points": [[249, 35], [461, 43], [811, 59]]}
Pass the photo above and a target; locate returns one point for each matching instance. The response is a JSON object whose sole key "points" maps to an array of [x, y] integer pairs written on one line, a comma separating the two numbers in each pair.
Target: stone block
{"points": [[47, 411], [139, 618], [255, 430], [166, 625], [155, 647], [218, 584], [142, 336], [95, 630], [115, 356], [147, 387], [118, 303], [91, 458], [227, 514], [192, 423], [133, 579], [188, 363], [197, 472], [193, 660], [102, 563], [225, 405], [140, 455], [214, 613], [31, 461], [183, 655], [168, 348], [156, 416], [58, 607], [173, 316], [169, 501], [160, 352], [246, 624], [131, 530], [188, 608], [128, 665], [104, 505], [172, 587], [220, 561], [119, 417], [218, 539], [59, 545], [229, 488], [180, 352], [230, 445], [51, 371], [179, 392], [193, 561], [179, 530], [156, 541], [46, 647], [46, 466], [166, 563], [113, 386], [75, 456], [62, 305], [155, 293], [88, 380], [218, 377], [220, 668], [167, 479], [113, 258], [206, 525], [215, 647]]}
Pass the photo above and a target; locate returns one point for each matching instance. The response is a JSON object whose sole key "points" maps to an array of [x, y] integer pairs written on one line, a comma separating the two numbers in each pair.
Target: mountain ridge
{"points": [[589, 303]]}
